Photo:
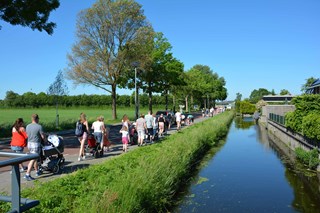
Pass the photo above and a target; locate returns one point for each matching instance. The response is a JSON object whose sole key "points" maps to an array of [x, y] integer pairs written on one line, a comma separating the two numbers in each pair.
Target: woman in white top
{"points": [[98, 130]]}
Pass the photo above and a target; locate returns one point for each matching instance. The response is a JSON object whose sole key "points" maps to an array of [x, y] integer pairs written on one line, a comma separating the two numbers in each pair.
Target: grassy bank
{"points": [[144, 180]]}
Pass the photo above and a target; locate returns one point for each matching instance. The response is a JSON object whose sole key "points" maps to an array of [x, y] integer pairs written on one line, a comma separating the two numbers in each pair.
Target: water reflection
{"points": [[253, 172], [243, 123]]}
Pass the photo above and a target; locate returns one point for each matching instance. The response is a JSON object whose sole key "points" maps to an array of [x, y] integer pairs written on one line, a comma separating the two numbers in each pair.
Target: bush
{"points": [[311, 158], [306, 112], [311, 126]]}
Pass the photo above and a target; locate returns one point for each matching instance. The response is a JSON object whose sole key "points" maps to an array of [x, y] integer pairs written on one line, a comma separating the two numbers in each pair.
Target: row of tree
{"points": [[30, 99]]}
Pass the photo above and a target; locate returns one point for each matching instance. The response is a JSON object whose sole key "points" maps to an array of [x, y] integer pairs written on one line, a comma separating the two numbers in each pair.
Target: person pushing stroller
{"points": [[98, 130]]}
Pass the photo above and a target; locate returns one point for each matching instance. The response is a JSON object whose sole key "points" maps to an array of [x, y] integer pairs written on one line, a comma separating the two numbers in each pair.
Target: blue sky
{"points": [[253, 44]]}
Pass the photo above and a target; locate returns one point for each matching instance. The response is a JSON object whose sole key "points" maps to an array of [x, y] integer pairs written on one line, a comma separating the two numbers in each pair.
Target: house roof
{"points": [[316, 83]]}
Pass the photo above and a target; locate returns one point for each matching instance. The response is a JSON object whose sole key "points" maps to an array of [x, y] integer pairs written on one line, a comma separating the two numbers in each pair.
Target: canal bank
{"points": [[272, 119]]}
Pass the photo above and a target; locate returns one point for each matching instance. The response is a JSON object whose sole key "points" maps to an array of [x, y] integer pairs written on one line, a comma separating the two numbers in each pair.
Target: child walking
{"points": [[125, 138]]}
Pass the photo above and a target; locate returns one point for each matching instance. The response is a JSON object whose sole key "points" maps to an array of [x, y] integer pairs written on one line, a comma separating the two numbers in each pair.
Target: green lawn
{"points": [[67, 116]]}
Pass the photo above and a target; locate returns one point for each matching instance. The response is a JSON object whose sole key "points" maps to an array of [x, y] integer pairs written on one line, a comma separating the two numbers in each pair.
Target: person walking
{"points": [[98, 130], [35, 137], [19, 139], [149, 120], [125, 138], [82, 139], [126, 121], [155, 126], [161, 125], [141, 128], [178, 120]]}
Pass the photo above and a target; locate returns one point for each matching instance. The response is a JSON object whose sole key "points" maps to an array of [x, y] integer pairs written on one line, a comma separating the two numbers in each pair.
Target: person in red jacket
{"points": [[19, 139]]}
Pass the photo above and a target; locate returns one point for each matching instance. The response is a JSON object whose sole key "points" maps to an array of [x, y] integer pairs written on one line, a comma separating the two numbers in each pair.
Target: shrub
{"points": [[309, 158], [311, 126]]}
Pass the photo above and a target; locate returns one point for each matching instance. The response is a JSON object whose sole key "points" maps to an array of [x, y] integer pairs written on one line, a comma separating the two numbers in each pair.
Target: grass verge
{"points": [[144, 180]]}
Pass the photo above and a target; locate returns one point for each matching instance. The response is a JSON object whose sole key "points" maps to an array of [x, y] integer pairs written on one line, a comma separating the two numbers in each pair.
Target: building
{"points": [[277, 98], [314, 87]]}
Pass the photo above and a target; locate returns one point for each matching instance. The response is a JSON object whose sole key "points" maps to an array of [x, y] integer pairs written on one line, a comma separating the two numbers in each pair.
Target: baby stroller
{"points": [[51, 157], [93, 147], [133, 134]]}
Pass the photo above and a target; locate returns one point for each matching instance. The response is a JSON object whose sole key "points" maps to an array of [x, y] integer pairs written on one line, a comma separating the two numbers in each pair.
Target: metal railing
{"points": [[277, 118], [18, 204]]}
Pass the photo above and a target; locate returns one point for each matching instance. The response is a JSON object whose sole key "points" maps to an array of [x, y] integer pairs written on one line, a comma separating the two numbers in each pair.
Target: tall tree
{"points": [[29, 13], [213, 87], [284, 92], [308, 83], [239, 96], [58, 88], [107, 35], [257, 95], [158, 70]]}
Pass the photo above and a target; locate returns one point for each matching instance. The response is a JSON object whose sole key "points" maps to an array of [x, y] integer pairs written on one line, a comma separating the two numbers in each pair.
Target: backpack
{"points": [[79, 129]]}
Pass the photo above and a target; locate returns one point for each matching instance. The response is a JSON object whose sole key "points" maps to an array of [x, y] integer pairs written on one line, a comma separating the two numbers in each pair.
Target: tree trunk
{"points": [[174, 103], [114, 101], [150, 97], [166, 99], [191, 100], [186, 100]]}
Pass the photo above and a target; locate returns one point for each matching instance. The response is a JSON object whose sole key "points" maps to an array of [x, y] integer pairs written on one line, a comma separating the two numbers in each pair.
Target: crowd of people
{"points": [[147, 128]]}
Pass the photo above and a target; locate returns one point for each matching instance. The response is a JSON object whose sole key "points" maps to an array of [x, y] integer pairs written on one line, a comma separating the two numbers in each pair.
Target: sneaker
{"points": [[83, 157], [22, 170], [28, 177], [79, 159], [38, 173]]}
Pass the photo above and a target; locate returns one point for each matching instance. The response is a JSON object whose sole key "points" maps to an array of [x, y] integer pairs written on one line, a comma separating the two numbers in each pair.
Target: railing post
{"points": [[15, 188], [18, 204]]}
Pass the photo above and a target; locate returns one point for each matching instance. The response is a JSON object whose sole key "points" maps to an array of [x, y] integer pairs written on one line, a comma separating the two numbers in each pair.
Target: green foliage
{"points": [[29, 99], [256, 95], [247, 108], [144, 180], [293, 121], [308, 83], [29, 13], [306, 106], [309, 158], [284, 92], [237, 106], [311, 126]]}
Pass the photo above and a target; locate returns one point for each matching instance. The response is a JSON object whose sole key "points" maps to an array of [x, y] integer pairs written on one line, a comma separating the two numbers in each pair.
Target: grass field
{"points": [[67, 116]]}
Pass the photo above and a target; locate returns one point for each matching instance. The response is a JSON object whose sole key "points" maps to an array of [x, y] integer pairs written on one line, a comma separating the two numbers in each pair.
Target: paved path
{"points": [[71, 152]]}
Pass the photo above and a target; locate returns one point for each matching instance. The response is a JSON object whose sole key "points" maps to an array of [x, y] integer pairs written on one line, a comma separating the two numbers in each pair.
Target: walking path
{"points": [[71, 153]]}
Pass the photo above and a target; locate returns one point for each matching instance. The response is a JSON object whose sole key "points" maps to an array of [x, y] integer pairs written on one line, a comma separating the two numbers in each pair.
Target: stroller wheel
{"points": [[61, 164], [96, 154], [56, 169]]}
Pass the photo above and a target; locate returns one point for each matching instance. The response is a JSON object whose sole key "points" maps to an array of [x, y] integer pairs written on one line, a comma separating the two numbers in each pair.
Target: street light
{"points": [[136, 64]]}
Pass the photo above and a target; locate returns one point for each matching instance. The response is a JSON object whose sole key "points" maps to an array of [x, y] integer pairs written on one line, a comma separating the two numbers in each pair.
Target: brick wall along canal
{"points": [[252, 173]]}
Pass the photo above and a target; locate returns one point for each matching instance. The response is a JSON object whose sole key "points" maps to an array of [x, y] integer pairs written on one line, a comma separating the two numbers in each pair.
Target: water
{"points": [[251, 174]]}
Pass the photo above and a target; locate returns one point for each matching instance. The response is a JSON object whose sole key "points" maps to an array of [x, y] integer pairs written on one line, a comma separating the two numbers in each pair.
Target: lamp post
{"points": [[136, 94], [136, 102]]}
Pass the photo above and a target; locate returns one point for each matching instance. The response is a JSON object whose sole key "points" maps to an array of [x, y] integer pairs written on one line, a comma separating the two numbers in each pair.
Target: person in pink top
{"points": [[125, 138]]}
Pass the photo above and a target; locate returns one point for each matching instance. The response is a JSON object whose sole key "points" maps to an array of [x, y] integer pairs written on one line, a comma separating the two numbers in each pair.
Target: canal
{"points": [[252, 172]]}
